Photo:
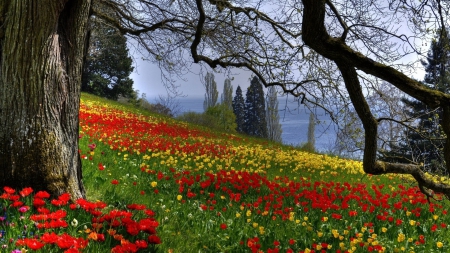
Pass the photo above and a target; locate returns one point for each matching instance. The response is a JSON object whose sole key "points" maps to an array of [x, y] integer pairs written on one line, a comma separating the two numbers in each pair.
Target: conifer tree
{"points": [[425, 143], [255, 112], [239, 109], [211, 94], [107, 66], [273, 118]]}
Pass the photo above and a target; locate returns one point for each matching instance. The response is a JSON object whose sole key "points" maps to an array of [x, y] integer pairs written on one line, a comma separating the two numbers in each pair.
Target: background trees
{"points": [[223, 118], [239, 109], [255, 113], [107, 65], [227, 95], [274, 130], [211, 93], [311, 144], [424, 143]]}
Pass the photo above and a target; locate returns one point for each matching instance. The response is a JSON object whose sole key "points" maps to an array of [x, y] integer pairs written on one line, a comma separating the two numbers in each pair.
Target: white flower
{"points": [[74, 222]]}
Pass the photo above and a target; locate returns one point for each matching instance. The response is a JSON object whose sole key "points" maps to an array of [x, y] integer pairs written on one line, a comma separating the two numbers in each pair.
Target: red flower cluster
{"points": [[143, 133], [63, 241], [113, 220]]}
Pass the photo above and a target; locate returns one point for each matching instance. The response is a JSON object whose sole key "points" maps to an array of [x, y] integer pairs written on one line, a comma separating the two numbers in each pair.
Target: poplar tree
{"points": [[227, 95], [274, 130], [211, 94], [310, 145]]}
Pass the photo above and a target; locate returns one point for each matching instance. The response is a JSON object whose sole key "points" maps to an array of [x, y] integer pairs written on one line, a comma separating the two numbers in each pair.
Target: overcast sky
{"points": [[147, 79]]}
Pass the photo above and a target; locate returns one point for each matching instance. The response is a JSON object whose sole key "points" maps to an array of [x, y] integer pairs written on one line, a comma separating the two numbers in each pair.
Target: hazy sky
{"points": [[147, 79]]}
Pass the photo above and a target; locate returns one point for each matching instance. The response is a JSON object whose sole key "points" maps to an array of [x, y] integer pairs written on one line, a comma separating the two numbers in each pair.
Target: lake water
{"points": [[294, 121]]}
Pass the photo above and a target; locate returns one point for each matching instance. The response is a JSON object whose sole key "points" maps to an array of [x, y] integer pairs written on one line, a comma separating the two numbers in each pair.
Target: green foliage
{"points": [[227, 95], [255, 111], [107, 65], [133, 99], [200, 119], [239, 110], [217, 117], [223, 117], [437, 67], [142, 103], [211, 94], [425, 143]]}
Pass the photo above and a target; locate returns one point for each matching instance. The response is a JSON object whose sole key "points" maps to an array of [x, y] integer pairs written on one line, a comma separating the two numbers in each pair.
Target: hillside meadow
{"points": [[155, 184]]}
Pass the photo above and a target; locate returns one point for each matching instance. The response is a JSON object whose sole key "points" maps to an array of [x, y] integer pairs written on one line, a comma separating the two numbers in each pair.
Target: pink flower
{"points": [[92, 146]]}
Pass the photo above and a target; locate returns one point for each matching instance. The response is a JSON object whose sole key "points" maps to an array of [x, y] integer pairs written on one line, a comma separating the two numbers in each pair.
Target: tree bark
{"points": [[42, 45]]}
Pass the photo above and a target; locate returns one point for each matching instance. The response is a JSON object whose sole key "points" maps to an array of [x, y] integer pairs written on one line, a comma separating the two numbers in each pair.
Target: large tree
{"points": [[323, 51], [42, 46]]}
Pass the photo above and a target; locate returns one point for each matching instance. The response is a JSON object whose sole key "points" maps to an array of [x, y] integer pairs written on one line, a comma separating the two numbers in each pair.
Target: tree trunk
{"points": [[42, 45]]}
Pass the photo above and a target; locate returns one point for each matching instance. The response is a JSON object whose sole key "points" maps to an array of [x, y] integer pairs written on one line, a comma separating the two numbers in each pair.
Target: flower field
{"points": [[158, 185]]}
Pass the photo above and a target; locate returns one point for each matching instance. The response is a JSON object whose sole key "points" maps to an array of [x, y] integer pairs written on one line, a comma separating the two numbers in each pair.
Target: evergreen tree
{"points": [[211, 91], [107, 65], [255, 112], [227, 95], [239, 110], [425, 143], [273, 118], [437, 67]]}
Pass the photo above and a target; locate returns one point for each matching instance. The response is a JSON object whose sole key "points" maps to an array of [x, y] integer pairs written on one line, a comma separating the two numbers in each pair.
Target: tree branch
{"points": [[347, 60], [316, 36]]}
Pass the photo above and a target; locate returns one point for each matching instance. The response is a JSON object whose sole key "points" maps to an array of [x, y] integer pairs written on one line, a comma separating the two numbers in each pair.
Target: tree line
{"points": [[255, 115]]}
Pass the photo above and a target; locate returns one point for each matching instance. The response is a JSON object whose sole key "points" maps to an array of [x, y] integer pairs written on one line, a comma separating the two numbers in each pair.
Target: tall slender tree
{"points": [[311, 144], [255, 112], [274, 130], [227, 95], [239, 109], [211, 93]]}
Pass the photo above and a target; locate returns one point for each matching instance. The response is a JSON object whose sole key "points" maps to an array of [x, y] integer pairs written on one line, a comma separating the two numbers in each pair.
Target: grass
{"points": [[155, 184]]}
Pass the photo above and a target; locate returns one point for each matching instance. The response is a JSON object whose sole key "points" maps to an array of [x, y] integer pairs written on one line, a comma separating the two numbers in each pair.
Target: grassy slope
{"points": [[216, 192]]}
